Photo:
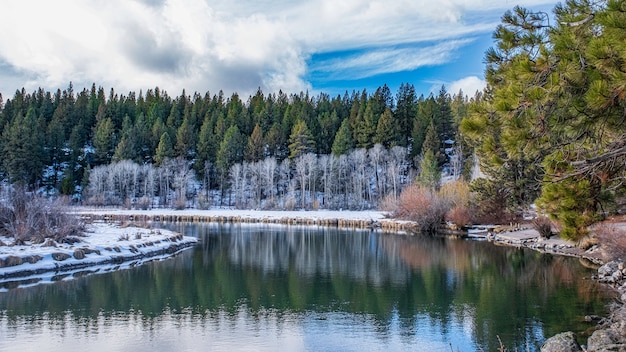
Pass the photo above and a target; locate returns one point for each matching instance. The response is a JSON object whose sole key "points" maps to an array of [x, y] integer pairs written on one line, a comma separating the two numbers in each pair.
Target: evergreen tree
{"points": [[406, 104], [164, 150], [429, 175], [206, 147], [104, 141], [343, 139], [185, 140], [255, 148], [386, 131], [230, 150], [300, 141], [365, 127], [556, 100], [23, 157]]}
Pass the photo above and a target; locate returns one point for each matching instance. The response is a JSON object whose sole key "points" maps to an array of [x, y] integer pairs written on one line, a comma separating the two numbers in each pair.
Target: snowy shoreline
{"points": [[105, 247]]}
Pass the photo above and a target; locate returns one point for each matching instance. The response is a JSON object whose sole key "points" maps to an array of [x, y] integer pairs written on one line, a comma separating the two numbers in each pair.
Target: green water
{"points": [[272, 288]]}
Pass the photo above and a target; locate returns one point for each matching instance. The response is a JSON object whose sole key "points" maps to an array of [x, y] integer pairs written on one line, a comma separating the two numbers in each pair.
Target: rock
{"points": [[604, 340], [607, 269], [79, 254], [563, 342], [58, 256], [12, 260]]}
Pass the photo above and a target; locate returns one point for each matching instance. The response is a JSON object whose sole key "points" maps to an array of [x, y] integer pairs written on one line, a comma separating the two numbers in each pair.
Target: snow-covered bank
{"points": [[337, 218], [105, 247], [243, 214]]}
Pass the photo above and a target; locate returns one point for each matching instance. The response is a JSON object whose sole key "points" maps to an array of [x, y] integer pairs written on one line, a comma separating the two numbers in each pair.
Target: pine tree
{"points": [[365, 127], [300, 141], [206, 147], [23, 155], [343, 139], [230, 150], [104, 141], [255, 149], [164, 150], [429, 175], [386, 131], [185, 140]]}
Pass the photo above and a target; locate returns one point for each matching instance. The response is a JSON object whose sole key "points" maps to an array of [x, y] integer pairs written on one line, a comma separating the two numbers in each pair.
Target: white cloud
{"points": [[205, 45], [469, 85]]}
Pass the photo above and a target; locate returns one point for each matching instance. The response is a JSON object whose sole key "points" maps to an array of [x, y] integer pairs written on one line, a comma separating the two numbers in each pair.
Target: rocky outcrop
{"points": [[563, 342], [611, 335]]}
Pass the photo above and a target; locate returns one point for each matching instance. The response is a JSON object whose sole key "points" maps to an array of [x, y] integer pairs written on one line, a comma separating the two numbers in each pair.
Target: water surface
{"points": [[269, 288]]}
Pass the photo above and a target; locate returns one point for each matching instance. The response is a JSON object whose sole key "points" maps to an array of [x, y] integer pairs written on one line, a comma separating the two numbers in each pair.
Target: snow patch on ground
{"points": [[244, 214], [105, 247]]}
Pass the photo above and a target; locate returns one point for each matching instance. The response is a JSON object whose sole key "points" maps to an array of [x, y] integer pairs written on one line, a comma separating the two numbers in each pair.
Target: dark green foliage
{"points": [[164, 149], [23, 154], [553, 119], [231, 150], [77, 131], [301, 140], [343, 139]]}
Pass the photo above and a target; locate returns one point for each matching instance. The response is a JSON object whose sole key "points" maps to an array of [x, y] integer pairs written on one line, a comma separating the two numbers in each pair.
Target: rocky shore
{"points": [[611, 332]]}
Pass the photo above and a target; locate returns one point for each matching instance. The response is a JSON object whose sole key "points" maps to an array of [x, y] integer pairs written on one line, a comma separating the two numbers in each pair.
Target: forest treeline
{"points": [[549, 129], [269, 151]]}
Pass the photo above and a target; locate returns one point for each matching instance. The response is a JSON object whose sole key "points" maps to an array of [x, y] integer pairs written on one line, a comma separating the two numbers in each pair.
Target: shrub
{"points": [[422, 206], [455, 193], [459, 215], [612, 241], [492, 202], [543, 225], [29, 217]]}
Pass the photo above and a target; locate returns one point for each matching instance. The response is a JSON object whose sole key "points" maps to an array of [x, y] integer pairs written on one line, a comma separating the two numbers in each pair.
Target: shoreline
{"points": [[367, 219], [103, 248]]}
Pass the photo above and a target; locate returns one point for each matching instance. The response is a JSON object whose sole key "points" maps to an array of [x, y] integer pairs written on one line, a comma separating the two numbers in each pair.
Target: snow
{"points": [[106, 247], [244, 214]]}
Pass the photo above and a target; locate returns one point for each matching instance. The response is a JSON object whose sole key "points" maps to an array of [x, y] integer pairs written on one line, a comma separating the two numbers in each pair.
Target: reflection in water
{"points": [[303, 288]]}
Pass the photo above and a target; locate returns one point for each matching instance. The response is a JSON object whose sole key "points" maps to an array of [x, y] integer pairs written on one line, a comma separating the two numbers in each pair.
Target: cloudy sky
{"points": [[241, 45]]}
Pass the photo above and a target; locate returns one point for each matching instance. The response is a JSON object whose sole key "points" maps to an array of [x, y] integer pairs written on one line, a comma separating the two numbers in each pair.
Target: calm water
{"points": [[270, 288]]}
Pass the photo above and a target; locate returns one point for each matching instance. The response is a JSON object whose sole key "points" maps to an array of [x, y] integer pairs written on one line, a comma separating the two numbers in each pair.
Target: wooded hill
{"points": [[66, 142]]}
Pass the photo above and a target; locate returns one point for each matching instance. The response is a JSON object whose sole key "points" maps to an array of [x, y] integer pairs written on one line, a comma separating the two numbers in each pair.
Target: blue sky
{"points": [[238, 46]]}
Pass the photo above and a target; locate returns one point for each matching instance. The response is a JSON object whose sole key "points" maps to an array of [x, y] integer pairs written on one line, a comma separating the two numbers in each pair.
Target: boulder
{"points": [[603, 341], [563, 342]]}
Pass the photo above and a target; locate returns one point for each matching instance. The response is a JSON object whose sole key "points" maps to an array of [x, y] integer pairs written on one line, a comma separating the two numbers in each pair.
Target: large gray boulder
{"points": [[603, 341], [563, 342]]}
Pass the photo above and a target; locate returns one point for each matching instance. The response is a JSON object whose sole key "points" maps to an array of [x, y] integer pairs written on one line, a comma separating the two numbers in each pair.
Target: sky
{"points": [[329, 46]]}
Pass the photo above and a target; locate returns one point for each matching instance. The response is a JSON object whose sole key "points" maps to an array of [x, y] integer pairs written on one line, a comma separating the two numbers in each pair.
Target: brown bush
{"points": [[459, 215], [612, 241], [30, 217], [543, 225], [422, 206]]}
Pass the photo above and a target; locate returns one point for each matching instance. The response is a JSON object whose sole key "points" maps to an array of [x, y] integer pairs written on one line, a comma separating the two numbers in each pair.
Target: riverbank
{"points": [[512, 236], [104, 247]]}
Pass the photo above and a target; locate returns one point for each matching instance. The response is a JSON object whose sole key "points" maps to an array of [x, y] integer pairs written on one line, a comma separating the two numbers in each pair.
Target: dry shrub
{"points": [[30, 217], [422, 206], [543, 225], [389, 204], [455, 193], [459, 215], [612, 241]]}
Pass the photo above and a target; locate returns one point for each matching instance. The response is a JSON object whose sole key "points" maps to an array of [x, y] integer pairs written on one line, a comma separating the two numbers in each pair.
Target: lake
{"points": [[268, 288]]}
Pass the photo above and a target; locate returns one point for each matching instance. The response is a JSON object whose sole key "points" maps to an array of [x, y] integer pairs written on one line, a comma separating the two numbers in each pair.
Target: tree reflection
{"points": [[521, 296]]}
